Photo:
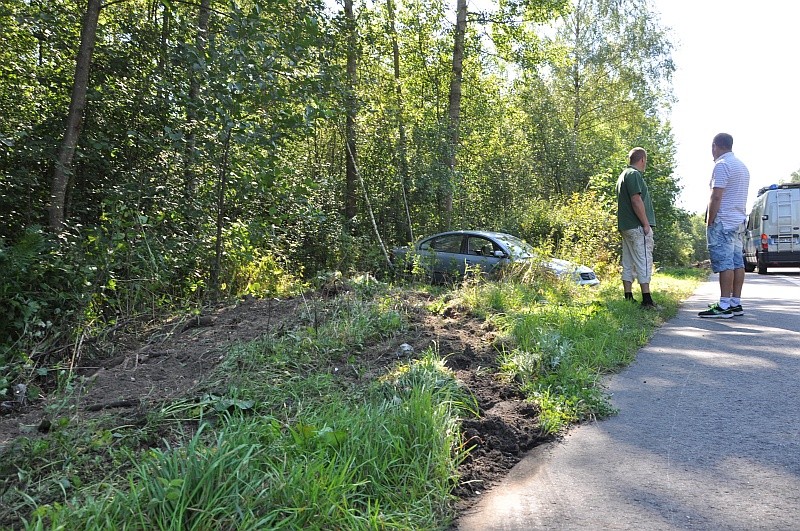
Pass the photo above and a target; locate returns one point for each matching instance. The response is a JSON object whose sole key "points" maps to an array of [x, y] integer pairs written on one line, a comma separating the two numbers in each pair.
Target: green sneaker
{"points": [[716, 312], [737, 310]]}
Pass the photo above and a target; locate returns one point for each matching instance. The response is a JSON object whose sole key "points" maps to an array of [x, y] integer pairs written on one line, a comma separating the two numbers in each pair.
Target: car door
{"points": [[480, 253], [442, 256]]}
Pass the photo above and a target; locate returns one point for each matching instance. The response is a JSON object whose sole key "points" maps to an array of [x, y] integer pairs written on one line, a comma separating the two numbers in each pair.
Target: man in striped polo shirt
{"points": [[725, 226]]}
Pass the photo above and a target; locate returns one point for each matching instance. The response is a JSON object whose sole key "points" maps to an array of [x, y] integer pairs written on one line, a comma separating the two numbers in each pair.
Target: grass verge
{"points": [[284, 443], [562, 339]]}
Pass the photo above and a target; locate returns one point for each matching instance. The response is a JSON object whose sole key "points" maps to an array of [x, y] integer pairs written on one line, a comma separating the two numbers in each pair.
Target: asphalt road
{"points": [[707, 435]]}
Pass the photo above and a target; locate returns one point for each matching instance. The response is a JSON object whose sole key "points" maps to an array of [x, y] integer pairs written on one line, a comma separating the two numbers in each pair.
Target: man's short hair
{"points": [[724, 141], [636, 154]]}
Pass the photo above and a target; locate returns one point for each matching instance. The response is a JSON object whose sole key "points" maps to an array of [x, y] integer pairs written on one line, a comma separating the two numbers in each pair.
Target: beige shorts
{"points": [[637, 255]]}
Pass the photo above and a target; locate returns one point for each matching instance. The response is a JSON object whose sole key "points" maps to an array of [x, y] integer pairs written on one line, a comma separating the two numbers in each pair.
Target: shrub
{"points": [[43, 292]]}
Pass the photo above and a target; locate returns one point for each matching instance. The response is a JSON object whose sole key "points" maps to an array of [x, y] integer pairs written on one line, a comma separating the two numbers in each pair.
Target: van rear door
{"points": [[787, 209]]}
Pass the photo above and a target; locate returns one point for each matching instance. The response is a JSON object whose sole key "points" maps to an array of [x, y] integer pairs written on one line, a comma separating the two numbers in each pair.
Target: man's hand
{"points": [[638, 209], [713, 205]]}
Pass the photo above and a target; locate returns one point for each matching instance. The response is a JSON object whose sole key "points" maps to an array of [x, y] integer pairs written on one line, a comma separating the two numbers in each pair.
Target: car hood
{"points": [[565, 266]]}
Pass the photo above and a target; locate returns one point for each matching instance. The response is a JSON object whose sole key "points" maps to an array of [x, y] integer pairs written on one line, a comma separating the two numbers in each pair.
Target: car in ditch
{"points": [[453, 254]]}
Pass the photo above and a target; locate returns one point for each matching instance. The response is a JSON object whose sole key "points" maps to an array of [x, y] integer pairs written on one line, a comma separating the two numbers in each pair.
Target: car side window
{"points": [[450, 243], [479, 246]]}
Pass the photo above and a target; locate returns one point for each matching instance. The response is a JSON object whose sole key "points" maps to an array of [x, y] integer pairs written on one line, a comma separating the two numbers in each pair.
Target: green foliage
{"points": [[559, 345], [384, 461], [534, 222], [43, 293], [249, 270], [676, 246], [211, 162], [292, 444], [694, 226], [589, 232]]}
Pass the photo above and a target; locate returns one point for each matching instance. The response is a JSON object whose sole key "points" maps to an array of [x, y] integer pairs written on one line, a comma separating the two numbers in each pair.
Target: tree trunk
{"points": [[63, 168], [219, 244], [372, 217], [190, 177], [577, 102], [165, 29], [454, 109], [402, 162], [351, 178]]}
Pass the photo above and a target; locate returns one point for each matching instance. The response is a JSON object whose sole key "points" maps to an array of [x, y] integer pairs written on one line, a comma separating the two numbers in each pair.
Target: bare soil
{"points": [[171, 363]]}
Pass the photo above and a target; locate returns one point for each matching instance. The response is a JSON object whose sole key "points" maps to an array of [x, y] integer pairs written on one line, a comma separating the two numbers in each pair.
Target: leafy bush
{"points": [[590, 234], [42, 289], [535, 223], [581, 228], [695, 226], [248, 268]]}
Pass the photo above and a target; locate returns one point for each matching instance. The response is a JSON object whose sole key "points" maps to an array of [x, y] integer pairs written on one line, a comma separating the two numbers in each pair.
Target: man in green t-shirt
{"points": [[635, 221]]}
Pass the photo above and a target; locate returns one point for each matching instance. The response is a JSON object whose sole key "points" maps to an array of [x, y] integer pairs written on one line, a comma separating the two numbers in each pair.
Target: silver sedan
{"points": [[452, 254]]}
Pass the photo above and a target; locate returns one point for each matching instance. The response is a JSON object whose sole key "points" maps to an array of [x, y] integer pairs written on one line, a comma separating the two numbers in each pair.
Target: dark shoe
{"points": [[715, 312], [650, 305], [737, 310]]}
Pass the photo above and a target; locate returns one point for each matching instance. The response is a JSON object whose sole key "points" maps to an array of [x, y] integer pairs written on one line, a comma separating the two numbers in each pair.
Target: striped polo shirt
{"points": [[732, 175]]}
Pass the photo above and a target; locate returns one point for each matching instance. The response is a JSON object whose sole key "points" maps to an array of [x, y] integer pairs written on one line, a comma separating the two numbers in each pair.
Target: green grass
{"points": [[276, 440], [563, 339], [384, 462]]}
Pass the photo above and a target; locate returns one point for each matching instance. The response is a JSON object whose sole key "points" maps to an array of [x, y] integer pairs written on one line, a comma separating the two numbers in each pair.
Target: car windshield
{"points": [[519, 249]]}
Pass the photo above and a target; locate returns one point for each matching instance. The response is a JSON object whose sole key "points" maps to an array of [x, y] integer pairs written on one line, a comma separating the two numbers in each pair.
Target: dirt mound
{"points": [[506, 429], [171, 362], [508, 425]]}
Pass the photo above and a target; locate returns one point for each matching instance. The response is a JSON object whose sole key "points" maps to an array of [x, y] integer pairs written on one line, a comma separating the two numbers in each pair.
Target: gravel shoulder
{"points": [[707, 435]]}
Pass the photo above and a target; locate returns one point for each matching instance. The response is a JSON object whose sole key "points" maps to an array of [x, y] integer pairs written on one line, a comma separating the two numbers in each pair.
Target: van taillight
{"points": [[764, 242]]}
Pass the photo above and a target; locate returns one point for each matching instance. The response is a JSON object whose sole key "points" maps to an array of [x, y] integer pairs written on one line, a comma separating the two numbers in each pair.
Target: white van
{"points": [[773, 229]]}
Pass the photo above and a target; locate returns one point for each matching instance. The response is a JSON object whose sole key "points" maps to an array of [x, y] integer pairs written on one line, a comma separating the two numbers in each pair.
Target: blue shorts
{"points": [[725, 247]]}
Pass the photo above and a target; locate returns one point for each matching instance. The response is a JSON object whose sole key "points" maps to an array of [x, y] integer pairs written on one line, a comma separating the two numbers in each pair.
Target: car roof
{"points": [[486, 233]]}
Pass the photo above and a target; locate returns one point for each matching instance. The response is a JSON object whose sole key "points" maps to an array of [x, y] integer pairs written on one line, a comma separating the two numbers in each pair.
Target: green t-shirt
{"points": [[630, 183]]}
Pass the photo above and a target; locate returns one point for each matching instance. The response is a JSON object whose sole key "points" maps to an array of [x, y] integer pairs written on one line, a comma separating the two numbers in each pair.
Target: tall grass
{"points": [[280, 441], [561, 340], [384, 461]]}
